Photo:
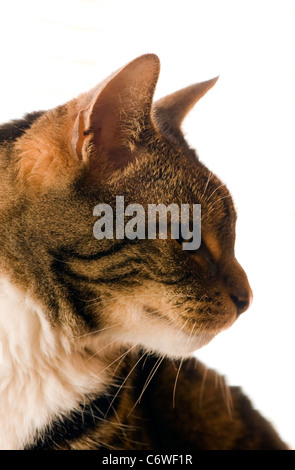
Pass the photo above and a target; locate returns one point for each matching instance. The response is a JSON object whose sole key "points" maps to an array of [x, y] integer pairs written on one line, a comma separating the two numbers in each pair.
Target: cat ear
{"points": [[171, 110], [112, 115]]}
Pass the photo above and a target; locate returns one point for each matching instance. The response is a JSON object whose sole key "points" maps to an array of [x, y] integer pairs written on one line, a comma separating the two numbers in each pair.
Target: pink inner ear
{"points": [[117, 113]]}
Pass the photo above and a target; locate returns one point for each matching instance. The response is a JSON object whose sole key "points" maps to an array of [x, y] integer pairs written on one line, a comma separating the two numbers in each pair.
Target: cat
{"points": [[98, 336]]}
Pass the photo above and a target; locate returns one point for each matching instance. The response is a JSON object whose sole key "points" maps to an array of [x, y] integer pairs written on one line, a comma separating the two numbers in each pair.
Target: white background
{"points": [[243, 130]]}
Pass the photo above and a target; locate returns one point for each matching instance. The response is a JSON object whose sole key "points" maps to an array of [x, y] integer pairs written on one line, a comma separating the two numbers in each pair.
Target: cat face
{"points": [[114, 141]]}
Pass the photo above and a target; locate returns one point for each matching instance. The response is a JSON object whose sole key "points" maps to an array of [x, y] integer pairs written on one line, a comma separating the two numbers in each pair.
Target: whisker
{"points": [[206, 186], [106, 346], [122, 356], [175, 382], [217, 200], [229, 401], [202, 388], [216, 189], [124, 381], [150, 376], [96, 331], [226, 395], [190, 336], [183, 326]]}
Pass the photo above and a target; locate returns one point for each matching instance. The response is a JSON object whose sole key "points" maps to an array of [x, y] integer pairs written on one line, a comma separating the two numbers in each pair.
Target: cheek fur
{"points": [[150, 319]]}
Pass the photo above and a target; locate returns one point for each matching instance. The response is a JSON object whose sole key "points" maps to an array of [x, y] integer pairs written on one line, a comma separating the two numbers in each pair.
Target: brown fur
{"points": [[139, 306], [185, 407]]}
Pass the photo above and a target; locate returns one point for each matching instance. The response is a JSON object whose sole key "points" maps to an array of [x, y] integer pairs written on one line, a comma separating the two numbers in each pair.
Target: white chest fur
{"points": [[41, 376]]}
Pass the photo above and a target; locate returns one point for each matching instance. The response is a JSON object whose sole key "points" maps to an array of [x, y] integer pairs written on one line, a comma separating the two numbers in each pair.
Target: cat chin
{"points": [[172, 344], [180, 344], [176, 351]]}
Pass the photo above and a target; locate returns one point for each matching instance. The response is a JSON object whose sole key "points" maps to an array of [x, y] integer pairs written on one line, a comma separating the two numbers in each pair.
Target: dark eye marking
{"points": [[203, 256]]}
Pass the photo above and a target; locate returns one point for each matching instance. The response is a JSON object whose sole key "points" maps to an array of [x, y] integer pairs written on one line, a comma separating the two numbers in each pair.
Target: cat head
{"points": [[58, 165]]}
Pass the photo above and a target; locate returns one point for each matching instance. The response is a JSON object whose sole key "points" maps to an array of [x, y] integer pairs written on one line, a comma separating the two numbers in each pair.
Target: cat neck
{"points": [[42, 375]]}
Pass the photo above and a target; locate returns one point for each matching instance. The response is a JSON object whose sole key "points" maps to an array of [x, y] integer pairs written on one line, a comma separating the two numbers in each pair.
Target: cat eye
{"points": [[201, 256]]}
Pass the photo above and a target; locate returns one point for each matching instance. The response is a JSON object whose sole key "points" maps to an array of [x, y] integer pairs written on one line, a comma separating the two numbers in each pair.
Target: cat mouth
{"points": [[201, 331], [193, 333]]}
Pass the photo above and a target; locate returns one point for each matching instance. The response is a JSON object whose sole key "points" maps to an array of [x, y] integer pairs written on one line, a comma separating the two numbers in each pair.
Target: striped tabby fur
{"points": [[97, 336]]}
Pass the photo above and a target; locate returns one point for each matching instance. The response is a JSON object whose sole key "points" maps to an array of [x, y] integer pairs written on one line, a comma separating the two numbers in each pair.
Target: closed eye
{"points": [[202, 256]]}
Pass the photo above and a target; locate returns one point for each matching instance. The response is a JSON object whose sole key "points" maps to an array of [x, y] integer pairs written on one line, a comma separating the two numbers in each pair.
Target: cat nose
{"points": [[238, 286], [242, 300]]}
